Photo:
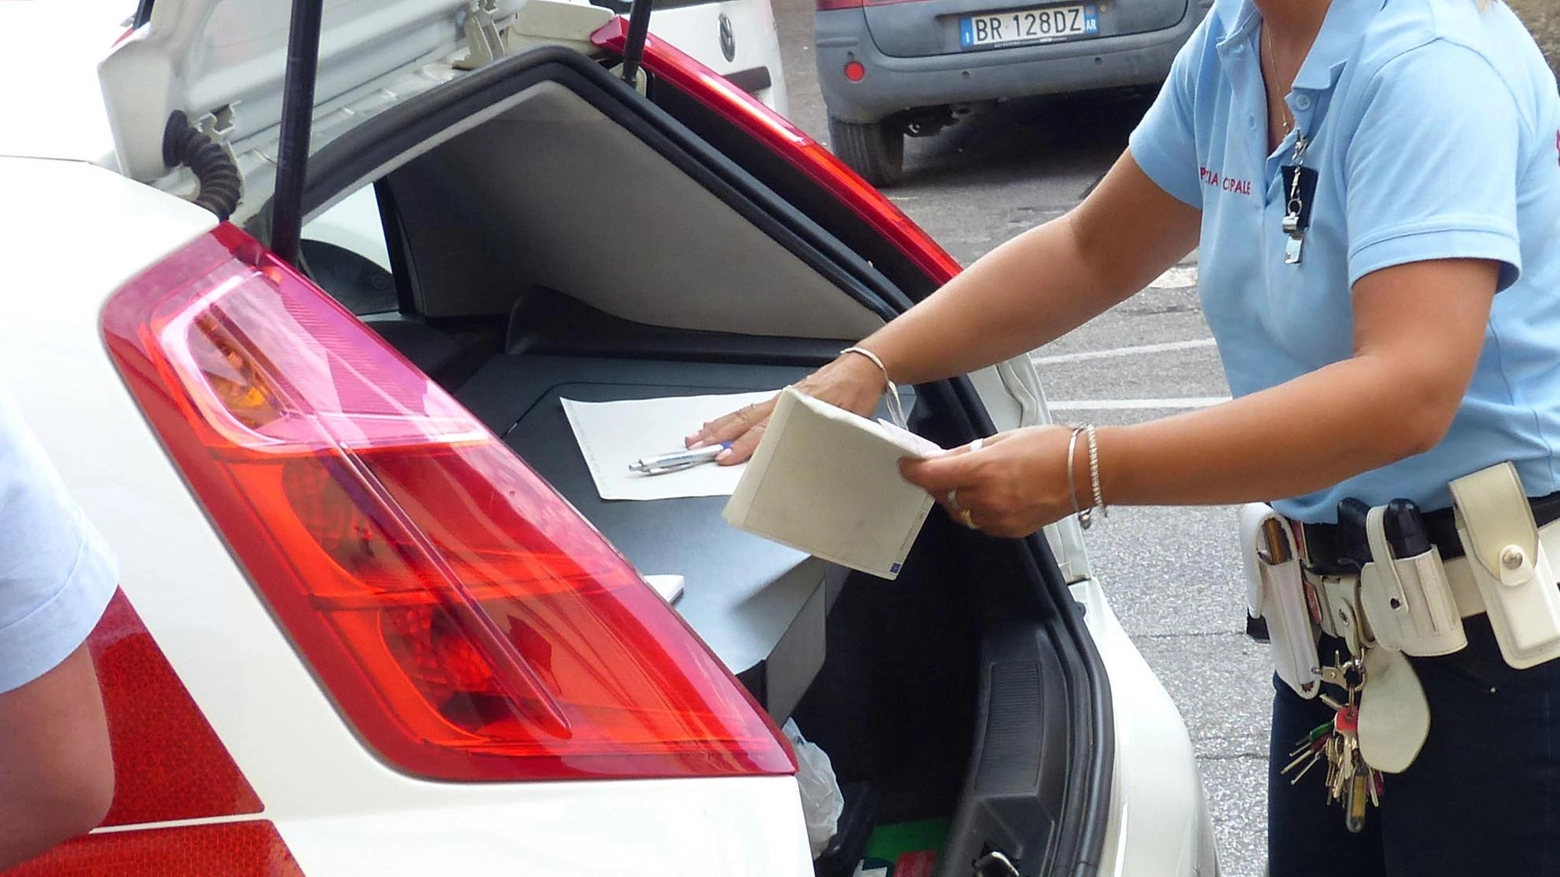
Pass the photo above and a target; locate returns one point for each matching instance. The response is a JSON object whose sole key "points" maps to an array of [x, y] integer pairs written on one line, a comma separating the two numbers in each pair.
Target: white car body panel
{"points": [[353, 224], [65, 42], [1155, 764], [228, 58], [200, 56], [694, 30], [335, 805]]}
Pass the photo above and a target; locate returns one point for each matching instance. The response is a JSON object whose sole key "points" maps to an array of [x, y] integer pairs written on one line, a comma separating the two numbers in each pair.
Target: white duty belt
{"points": [[1416, 604], [1400, 606], [1410, 604], [1459, 576]]}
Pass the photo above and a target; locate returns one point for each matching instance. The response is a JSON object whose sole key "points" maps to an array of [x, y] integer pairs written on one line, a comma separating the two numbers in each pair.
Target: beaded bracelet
{"points": [[1086, 516], [1094, 470]]}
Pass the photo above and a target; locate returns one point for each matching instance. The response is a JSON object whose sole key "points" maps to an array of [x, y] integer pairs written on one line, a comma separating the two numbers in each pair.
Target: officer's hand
{"points": [[850, 382], [1012, 485]]}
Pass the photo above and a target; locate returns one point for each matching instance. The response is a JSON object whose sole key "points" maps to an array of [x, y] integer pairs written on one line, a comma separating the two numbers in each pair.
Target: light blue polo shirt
{"points": [[1435, 129], [56, 575]]}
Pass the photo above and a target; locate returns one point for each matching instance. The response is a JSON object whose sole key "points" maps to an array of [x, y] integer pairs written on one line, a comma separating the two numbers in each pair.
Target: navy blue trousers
{"points": [[1481, 800]]}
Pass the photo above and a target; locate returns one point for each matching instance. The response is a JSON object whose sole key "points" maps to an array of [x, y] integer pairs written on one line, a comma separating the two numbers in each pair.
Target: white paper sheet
{"points": [[613, 434]]}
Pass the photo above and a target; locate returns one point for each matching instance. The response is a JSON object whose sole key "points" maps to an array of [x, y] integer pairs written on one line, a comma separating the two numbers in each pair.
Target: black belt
{"points": [[1326, 554]]}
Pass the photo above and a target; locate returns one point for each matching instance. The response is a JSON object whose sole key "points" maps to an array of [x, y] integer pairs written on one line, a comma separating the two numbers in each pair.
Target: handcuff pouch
{"points": [[1509, 564]]}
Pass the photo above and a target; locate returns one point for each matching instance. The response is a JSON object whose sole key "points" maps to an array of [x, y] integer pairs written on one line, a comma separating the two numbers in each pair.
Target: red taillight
{"points": [[466, 620], [855, 71], [788, 142]]}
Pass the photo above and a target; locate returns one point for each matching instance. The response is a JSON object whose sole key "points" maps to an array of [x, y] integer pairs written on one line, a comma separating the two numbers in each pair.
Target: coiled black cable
{"points": [[220, 183]]}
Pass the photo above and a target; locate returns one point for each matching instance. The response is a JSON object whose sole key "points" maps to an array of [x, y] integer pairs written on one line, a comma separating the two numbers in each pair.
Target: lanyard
{"points": [[1301, 182]]}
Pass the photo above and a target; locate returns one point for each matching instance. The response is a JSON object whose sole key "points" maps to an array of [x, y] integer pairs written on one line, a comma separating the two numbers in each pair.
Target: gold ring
{"points": [[964, 517], [953, 500]]}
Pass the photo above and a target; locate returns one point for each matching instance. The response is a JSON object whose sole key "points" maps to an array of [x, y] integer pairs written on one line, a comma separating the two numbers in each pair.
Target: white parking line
{"points": [[1136, 404], [1136, 350], [1178, 277]]}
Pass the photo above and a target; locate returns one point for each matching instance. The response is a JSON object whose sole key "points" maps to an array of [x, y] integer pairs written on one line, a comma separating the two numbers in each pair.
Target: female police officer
{"points": [[1388, 322]]}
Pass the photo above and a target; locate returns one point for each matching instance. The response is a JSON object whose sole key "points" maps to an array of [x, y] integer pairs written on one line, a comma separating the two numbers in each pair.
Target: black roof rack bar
{"points": [[634, 44], [292, 155]]}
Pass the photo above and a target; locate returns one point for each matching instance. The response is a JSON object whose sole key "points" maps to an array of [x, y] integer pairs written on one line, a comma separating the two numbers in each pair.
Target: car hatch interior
{"points": [[554, 234]]}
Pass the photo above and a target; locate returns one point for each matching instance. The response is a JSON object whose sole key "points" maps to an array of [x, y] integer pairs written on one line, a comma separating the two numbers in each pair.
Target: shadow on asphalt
{"points": [[1021, 139]]}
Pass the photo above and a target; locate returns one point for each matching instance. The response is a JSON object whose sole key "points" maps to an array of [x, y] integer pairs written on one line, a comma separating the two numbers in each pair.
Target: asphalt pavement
{"points": [[1173, 575]]}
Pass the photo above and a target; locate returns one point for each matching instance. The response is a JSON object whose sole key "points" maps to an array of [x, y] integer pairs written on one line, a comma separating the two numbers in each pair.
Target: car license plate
{"points": [[1029, 26]]}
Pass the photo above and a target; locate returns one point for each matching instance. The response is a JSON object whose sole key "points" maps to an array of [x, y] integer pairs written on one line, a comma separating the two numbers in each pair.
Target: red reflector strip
{"points": [[168, 762], [787, 141], [250, 849]]}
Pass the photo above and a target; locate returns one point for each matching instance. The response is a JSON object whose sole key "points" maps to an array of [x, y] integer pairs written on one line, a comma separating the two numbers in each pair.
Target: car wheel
{"points": [[876, 150]]}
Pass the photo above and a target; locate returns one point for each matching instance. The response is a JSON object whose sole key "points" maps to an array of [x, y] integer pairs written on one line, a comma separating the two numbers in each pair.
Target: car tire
{"points": [[876, 150]]}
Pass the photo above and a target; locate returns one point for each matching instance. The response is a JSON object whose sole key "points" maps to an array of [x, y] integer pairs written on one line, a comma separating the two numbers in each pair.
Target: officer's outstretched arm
{"points": [[1045, 282], [1032, 289], [1418, 331]]}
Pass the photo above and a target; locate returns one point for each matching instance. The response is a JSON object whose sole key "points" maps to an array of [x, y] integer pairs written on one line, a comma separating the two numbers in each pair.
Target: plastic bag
{"points": [[822, 802]]}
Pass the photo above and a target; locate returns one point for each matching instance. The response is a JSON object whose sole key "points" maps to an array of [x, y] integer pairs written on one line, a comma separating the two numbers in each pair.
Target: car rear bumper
{"points": [[893, 84]]}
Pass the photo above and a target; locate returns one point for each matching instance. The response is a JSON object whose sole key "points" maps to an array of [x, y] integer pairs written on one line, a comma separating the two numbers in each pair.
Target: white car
{"points": [[374, 618], [735, 38]]}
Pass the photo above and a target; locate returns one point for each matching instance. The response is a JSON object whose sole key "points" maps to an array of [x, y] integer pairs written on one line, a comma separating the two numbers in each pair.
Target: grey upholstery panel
{"points": [[553, 193]]}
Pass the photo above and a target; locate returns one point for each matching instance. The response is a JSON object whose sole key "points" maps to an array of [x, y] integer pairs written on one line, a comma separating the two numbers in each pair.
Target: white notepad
{"points": [[827, 482]]}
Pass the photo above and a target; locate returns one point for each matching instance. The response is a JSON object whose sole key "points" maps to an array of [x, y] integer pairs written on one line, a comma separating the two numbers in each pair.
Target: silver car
{"points": [[900, 67]]}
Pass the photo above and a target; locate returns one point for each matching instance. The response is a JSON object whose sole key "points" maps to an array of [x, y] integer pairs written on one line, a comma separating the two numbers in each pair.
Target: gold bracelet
{"points": [[1094, 470]]}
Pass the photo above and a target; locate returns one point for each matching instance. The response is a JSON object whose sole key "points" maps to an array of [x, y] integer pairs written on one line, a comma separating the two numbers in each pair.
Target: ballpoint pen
{"points": [[676, 461]]}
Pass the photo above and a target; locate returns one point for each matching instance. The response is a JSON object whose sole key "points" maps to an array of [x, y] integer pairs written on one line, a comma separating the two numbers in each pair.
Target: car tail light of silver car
{"points": [[468, 623]]}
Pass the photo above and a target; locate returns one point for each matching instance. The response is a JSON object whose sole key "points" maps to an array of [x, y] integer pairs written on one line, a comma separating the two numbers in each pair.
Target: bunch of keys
{"points": [[1349, 779]]}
